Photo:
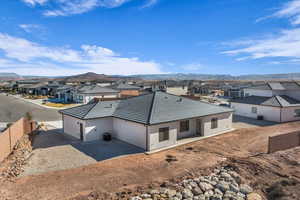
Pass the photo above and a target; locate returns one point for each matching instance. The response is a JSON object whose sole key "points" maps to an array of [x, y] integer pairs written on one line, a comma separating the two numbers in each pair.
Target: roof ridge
{"points": [[151, 108], [90, 109], [276, 97]]}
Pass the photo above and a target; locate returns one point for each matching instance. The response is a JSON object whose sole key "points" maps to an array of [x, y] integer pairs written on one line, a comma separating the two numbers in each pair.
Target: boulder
{"points": [[245, 189], [205, 186], [223, 186], [254, 196], [186, 193]]}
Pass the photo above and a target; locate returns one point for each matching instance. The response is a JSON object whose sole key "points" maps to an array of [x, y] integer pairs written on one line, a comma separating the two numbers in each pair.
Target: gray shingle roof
{"points": [[153, 108], [276, 101], [278, 86], [124, 86], [94, 89]]}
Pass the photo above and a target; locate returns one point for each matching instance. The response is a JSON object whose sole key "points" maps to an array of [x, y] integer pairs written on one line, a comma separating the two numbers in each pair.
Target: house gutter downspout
{"points": [[280, 114], [147, 139]]}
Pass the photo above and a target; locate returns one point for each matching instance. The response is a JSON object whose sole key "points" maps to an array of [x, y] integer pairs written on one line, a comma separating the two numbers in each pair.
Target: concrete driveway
{"points": [[54, 151], [245, 122]]}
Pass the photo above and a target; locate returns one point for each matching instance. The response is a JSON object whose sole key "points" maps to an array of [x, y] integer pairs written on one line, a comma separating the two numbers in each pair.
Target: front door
{"points": [[199, 130], [81, 132]]}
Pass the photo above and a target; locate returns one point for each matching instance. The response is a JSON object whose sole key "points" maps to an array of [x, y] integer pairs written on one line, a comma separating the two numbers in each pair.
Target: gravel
{"points": [[222, 184]]}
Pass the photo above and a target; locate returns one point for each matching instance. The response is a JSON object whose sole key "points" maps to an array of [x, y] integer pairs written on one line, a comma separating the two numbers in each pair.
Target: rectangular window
{"points": [[184, 126], [254, 110], [163, 134], [297, 113], [214, 123]]}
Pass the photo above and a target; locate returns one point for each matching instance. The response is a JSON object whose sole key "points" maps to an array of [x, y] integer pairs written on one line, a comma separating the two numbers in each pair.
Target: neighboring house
{"points": [[172, 87], [276, 101], [150, 121], [65, 93], [105, 83], [127, 90], [34, 89], [234, 92], [85, 94]]}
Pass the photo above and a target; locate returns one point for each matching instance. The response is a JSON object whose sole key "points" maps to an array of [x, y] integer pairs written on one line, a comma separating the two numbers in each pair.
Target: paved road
{"points": [[12, 109]]}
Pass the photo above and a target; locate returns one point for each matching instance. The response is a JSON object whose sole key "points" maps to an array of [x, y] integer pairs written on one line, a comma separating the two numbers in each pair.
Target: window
{"points": [[184, 126], [163, 134], [297, 113], [214, 123], [254, 110], [247, 95]]}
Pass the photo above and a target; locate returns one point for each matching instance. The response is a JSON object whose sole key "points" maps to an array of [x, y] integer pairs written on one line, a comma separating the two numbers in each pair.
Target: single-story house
{"points": [[151, 121], [85, 94], [279, 108], [65, 93], [127, 90]]}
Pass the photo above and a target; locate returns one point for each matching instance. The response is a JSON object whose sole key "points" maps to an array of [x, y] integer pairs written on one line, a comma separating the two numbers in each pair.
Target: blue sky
{"points": [[64, 37]]}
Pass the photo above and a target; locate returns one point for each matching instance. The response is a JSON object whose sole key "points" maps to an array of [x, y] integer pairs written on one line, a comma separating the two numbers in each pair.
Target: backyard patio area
{"points": [[55, 151]]}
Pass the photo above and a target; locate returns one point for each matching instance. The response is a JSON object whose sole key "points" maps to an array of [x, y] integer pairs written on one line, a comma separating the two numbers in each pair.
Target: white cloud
{"points": [[23, 55], [34, 2], [285, 44], [290, 10], [150, 3], [28, 28], [73, 7]]}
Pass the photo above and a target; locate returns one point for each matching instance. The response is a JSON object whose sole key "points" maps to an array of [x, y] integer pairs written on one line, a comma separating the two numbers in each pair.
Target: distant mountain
{"points": [[9, 76], [181, 76], [90, 76]]}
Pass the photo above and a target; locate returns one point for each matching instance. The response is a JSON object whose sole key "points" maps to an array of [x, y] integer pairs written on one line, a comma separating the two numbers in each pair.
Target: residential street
{"points": [[11, 109]]}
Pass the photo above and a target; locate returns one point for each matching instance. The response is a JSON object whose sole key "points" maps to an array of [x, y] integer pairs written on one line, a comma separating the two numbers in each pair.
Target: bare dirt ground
{"points": [[243, 149]]}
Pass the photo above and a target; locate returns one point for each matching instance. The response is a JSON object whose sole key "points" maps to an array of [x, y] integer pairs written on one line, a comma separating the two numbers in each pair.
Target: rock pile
{"points": [[18, 158], [222, 184]]}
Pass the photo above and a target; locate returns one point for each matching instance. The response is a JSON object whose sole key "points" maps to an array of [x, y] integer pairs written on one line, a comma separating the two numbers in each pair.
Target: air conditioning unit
{"points": [[260, 117], [107, 136]]}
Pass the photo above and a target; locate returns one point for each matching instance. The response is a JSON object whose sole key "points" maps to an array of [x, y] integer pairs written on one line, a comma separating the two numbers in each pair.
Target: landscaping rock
{"points": [[245, 189], [254, 196], [223, 184]]}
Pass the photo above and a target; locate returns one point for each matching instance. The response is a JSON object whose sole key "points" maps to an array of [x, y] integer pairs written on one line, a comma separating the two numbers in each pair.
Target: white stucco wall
{"points": [[190, 132], [153, 132], [224, 123], [130, 132], [71, 126], [288, 114], [270, 113], [95, 128], [88, 97]]}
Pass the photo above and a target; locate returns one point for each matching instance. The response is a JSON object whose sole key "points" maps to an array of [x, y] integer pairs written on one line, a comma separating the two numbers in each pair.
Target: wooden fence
{"points": [[284, 141], [11, 136]]}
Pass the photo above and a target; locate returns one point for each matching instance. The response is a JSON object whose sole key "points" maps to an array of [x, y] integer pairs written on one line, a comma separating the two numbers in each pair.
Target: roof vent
{"points": [[166, 97], [179, 100]]}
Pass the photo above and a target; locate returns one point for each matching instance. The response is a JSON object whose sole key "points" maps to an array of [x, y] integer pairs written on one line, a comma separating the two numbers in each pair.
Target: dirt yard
{"points": [[244, 149]]}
